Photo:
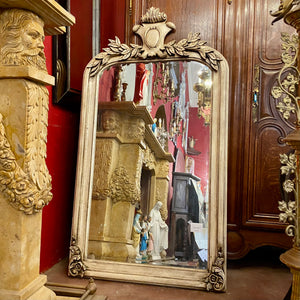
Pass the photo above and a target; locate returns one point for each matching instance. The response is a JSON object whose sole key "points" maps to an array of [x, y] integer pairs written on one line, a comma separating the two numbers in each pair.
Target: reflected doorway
{"points": [[146, 177]]}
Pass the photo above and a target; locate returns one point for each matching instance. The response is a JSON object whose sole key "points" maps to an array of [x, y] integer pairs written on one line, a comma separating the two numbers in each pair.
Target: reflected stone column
{"points": [[25, 183], [116, 185], [124, 145], [162, 187]]}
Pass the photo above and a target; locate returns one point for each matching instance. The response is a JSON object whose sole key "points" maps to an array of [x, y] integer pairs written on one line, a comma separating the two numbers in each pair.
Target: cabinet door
{"points": [[243, 33], [256, 131]]}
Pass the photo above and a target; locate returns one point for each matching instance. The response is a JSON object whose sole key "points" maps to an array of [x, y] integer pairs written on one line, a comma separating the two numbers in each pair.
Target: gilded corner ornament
{"points": [[153, 30], [76, 266], [216, 279]]}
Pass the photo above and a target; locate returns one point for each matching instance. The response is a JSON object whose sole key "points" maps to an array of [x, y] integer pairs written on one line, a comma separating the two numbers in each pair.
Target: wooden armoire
{"points": [[242, 31]]}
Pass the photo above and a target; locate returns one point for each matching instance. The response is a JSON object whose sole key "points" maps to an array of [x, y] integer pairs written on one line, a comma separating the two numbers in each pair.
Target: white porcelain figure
{"points": [[159, 230]]}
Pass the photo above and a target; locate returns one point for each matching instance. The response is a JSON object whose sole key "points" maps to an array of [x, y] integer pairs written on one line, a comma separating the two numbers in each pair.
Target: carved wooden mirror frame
{"points": [[153, 29]]}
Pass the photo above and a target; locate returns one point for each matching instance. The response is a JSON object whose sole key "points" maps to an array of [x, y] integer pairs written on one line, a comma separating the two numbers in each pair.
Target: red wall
{"points": [[112, 21], [61, 162], [63, 125]]}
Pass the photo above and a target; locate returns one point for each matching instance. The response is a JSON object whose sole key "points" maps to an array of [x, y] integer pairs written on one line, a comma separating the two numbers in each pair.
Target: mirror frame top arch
{"points": [[153, 49]]}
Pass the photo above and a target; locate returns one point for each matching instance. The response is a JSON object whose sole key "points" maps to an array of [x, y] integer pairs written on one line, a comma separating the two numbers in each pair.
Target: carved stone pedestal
{"points": [[25, 183], [291, 258], [125, 145]]}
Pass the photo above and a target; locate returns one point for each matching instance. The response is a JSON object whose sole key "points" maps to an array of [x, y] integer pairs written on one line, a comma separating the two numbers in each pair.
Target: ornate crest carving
{"points": [[153, 31], [19, 187], [216, 279], [76, 266]]}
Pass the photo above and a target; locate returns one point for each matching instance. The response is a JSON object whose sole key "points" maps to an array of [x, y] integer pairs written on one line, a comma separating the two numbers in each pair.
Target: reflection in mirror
{"points": [[166, 220], [151, 182]]}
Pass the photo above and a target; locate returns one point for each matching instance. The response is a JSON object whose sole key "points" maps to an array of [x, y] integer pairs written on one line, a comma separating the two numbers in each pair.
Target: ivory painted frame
{"points": [[190, 49]]}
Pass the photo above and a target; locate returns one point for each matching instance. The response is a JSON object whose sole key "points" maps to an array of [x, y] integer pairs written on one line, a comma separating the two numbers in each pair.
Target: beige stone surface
{"points": [[19, 247], [26, 72], [53, 14], [13, 94], [35, 290]]}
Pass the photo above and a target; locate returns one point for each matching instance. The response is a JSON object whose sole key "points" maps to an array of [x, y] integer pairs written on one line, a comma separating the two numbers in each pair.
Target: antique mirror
{"points": [[150, 194]]}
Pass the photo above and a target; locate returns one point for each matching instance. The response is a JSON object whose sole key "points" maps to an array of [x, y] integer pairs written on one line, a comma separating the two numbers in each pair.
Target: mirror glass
{"points": [[177, 95], [151, 181]]}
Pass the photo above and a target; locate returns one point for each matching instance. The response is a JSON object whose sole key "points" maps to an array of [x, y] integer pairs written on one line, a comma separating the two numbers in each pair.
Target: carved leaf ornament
{"points": [[15, 184], [153, 31], [285, 92], [288, 208], [288, 79]]}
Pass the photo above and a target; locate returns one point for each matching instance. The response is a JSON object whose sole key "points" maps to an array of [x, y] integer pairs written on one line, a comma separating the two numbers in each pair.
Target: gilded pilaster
{"points": [[289, 10]]}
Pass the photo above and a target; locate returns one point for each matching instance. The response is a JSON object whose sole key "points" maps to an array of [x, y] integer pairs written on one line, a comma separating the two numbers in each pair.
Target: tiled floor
{"points": [[258, 276]]}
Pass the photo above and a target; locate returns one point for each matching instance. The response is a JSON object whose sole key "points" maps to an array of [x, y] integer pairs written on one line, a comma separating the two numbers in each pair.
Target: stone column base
{"points": [[291, 258], [33, 291]]}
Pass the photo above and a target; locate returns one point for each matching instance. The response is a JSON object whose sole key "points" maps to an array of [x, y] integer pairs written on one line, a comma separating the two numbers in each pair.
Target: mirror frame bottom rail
{"points": [[136, 273]]}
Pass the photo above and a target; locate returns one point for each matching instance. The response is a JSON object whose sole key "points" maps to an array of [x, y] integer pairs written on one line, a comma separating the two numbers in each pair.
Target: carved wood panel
{"points": [[254, 191]]}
